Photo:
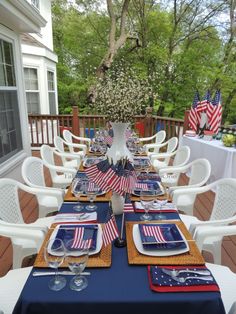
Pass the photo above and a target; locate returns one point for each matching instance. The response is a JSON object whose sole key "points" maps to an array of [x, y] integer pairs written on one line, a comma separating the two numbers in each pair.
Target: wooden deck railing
{"points": [[43, 128]]}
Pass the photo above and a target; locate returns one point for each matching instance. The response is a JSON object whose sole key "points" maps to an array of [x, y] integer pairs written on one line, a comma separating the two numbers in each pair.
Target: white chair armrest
{"points": [[79, 138], [155, 156], [68, 155], [148, 146], [22, 231], [145, 139], [76, 145], [61, 169], [24, 226], [201, 234], [195, 227]]}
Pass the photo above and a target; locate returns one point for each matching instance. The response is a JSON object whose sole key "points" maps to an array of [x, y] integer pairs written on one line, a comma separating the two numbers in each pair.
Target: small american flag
{"points": [[128, 206], [154, 231], [193, 116], [141, 186], [216, 113], [110, 230], [79, 242]]}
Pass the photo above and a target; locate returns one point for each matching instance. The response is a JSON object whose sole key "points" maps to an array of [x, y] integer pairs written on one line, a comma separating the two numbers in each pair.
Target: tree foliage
{"points": [[183, 45]]}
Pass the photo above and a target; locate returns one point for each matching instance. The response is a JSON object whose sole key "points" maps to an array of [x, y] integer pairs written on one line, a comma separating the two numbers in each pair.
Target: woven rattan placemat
{"points": [[69, 197], [101, 259], [193, 257]]}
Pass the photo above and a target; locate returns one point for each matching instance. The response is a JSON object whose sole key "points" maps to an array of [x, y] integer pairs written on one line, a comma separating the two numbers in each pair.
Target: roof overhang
{"points": [[21, 16]]}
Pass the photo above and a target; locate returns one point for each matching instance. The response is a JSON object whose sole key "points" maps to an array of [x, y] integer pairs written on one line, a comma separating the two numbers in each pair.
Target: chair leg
{"points": [[17, 256]]}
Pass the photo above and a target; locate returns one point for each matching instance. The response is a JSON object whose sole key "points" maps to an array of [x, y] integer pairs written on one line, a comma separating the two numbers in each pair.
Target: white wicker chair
{"points": [[70, 138], [32, 171], [70, 160], [11, 286], [170, 145], [181, 157], [11, 218], [61, 176], [223, 213]]}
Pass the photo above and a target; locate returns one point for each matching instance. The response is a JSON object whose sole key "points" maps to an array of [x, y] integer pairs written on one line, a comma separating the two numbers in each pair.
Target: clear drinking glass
{"points": [[77, 264], [147, 198], [54, 254], [78, 189], [91, 194]]}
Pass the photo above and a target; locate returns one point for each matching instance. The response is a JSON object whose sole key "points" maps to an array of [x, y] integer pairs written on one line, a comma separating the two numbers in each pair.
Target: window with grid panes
{"points": [[51, 92], [10, 129], [32, 90], [35, 3]]}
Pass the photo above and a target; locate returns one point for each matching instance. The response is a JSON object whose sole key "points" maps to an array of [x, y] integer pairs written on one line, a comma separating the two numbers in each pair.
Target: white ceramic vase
{"points": [[118, 149]]}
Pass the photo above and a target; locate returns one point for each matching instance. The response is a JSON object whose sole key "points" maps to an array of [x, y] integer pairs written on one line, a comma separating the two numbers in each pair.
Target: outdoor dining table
{"points": [[121, 288]]}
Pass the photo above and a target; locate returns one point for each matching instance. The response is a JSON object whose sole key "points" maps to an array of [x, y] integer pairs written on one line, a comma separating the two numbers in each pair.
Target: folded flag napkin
{"points": [[81, 174], [84, 236], [141, 186], [162, 282]]}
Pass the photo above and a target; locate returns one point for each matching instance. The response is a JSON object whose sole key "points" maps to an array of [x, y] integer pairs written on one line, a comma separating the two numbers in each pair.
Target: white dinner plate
{"points": [[167, 252], [78, 253]]}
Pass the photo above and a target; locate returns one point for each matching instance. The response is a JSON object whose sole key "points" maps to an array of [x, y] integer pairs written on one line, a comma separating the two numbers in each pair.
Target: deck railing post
{"points": [[75, 120], [186, 114], [148, 122]]}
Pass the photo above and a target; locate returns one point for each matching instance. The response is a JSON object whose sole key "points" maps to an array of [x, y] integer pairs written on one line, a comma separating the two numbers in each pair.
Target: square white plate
{"points": [[167, 252]]}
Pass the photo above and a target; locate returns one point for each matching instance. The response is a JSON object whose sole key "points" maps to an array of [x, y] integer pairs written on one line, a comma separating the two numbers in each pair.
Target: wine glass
{"points": [[147, 198], [78, 188], [54, 254], [91, 192], [77, 264]]}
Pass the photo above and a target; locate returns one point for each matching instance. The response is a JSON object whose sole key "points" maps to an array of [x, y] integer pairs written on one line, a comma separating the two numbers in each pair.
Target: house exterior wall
{"points": [[11, 167]]}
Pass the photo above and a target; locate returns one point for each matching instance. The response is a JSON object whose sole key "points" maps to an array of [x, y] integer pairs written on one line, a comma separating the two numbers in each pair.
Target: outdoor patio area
{"points": [[203, 206]]}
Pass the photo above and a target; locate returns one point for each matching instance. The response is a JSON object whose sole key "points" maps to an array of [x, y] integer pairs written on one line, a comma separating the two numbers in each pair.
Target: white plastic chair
{"points": [[181, 157], [11, 286], [69, 160], [61, 176], [198, 171], [226, 280], [223, 213], [159, 137], [11, 218], [32, 171], [70, 138], [170, 145]]}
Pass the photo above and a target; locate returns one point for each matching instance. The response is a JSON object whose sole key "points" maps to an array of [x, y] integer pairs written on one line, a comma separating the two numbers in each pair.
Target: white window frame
{"points": [[51, 91], [33, 91], [14, 161]]}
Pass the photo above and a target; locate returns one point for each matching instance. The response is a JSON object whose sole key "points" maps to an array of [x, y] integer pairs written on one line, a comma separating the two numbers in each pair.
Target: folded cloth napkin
{"points": [[72, 217], [161, 237], [168, 208], [81, 174], [161, 282], [141, 186], [147, 185], [82, 235]]}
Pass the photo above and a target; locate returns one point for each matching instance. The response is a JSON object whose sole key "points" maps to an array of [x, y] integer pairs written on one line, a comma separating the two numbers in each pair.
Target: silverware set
{"points": [[205, 274]]}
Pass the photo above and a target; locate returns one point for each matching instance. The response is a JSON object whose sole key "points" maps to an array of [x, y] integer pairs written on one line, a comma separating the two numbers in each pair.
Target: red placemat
{"points": [[181, 288]]}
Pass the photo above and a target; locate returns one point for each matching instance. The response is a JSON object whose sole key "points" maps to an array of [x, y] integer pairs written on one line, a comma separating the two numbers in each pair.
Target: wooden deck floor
{"points": [[202, 210]]}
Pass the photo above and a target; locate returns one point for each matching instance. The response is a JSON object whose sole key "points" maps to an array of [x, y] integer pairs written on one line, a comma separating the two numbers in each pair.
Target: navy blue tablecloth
{"points": [[122, 289]]}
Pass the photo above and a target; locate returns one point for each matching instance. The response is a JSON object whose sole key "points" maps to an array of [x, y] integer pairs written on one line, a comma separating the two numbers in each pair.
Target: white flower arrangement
{"points": [[121, 94]]}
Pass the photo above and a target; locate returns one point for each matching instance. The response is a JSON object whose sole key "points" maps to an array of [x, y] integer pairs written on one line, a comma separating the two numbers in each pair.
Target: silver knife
{"points": [[49, 273]]}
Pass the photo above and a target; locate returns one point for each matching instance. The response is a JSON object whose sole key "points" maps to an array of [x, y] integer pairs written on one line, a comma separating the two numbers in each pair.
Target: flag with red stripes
{"points": [[110, 230], [193, 116], [216, 113], [204, 106], [128, 206], [79, 242], [155, 232]]}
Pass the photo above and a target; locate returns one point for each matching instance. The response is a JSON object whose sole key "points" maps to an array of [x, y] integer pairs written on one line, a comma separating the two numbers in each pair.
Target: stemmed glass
{"points": [[78, 188], [77, 264], [91, 194], [147, 198], [54, 254]]}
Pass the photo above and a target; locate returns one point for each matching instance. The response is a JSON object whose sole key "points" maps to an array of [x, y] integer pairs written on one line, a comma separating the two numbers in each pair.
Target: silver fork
{"points": [[175, 273], [182, 279]]}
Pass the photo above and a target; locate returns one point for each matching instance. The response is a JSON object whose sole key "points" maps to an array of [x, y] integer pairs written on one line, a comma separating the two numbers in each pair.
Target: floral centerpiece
{"points": [[122, 94]]}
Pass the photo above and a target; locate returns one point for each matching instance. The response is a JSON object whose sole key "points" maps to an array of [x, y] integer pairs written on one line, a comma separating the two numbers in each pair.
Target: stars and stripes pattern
{"points": [[128, 206], [215, 113], [141, 186], [154, 231], [204, 106], [110, 230], [193, 115], [79, 242], [120, 177]]}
